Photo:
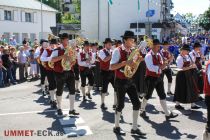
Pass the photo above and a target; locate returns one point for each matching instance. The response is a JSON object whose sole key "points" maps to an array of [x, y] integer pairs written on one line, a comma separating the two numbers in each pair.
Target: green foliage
{"points": [[204, 20], [189, 18]]}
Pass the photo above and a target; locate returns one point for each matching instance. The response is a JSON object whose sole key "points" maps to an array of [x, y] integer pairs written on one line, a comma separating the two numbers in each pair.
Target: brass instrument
{"points": [[51, 64], [44, 64], [71, 60], [136, 57]]}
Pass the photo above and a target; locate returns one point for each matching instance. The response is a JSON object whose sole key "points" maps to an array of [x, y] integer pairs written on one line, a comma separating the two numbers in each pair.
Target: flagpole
{"points": [[138, 22]]}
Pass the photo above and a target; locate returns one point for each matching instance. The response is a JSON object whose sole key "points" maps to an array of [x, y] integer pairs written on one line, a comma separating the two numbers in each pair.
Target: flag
{"points": [[150, 13], [110, 2], [139, 6]]}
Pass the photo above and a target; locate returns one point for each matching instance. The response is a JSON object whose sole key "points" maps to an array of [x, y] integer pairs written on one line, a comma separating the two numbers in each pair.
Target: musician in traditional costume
{"points": [[107, 76], [38, 53], [140, 74], [85, 61], [64, 74], [123, 84], [207, 97], [45, 58], [198, 58], [167, 56], [186, 90], [155, 65]]}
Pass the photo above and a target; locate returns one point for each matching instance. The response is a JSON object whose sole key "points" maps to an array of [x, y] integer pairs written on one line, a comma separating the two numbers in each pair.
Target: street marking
{"points": [[29, 112], [77, 131], [69, 120]]}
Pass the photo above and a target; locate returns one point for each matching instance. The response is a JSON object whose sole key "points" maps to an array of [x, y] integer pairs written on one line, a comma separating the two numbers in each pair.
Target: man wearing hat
{"points": [[167, 56], [155, 65], [107, 75], [85, 61], [198, 58], [38, 53], [124, 85], [63, 76], [45, 58], [186, 90]]}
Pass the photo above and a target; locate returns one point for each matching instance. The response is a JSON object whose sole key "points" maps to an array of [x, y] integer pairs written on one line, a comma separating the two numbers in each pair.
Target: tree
{"points": [[56, 5], [204, 20], [189, 18]]}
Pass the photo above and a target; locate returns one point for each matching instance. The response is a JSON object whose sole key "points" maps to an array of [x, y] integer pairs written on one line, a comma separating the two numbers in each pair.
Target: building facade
{"points": [[22, 19], [99, 20]]}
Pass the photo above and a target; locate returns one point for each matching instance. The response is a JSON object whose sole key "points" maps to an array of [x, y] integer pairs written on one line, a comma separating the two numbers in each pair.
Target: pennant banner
{"points": [[110, 2]]}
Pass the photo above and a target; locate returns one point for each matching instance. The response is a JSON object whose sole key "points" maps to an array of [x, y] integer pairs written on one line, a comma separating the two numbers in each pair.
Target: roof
{"points": [[27, 4]]}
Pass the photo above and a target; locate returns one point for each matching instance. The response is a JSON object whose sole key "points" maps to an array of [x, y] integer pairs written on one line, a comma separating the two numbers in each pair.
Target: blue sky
{"points": [[194, 6]]}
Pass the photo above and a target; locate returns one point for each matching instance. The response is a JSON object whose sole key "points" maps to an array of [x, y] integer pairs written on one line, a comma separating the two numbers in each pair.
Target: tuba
{"points": [[136, 57], [68, 63]]}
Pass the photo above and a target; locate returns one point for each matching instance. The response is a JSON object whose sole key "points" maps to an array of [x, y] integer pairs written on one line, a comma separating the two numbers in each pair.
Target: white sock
{"points": [[115, 98], [135, 119], [46, 82], [164, 106], [177, 103], [90, 88], [83, 90], [143, 104], [193, 104], [71, 100], [102, 98], [169, 87], [43, 87], [77, 84], [52, 94], [117, 119], [59, 100]]}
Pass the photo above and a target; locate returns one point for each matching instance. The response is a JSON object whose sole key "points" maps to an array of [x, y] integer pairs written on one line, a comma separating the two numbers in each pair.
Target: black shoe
{"points": [[144, 115], [84, 99], [77, 91], [170, 93], [89, 96], [171, 116], [14, 83], [179, 107], [119, 131], [60, 112], [114, 107], [53, 104], [200, 98], [138, 132], [103, 107], [73, 112], [195, 107]]}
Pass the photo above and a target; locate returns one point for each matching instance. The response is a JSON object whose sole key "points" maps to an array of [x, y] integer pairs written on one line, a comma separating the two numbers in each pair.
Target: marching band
{"points": [[135, 69]]}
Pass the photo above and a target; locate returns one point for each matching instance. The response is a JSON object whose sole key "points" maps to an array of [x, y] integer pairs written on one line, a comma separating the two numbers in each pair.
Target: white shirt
{"points": [[193, 54], [37, 52], [84, 63], [55, 52], [180, 61], [102, 55], [116, 55], [149, 63], [44, 57]]}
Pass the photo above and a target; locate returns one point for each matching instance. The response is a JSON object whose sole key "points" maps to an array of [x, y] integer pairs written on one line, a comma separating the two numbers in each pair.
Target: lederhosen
{"points": [[185, 88], [199, 73], [76, 68], [85, 72], [124, 85], [207, 94], [50, 73], [154, 80], [167, 71], [63, 76], [93, 69], [107, 76], [42, 69], [139, 76]]}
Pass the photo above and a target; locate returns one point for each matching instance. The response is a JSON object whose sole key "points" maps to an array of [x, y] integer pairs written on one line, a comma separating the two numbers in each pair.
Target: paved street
{"points": [[24, 108]]}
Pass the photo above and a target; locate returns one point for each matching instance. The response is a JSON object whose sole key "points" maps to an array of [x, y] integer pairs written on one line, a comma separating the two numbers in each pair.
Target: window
{"points": [[32, 37], [28, 17], [7, 15], [16, 36]]}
